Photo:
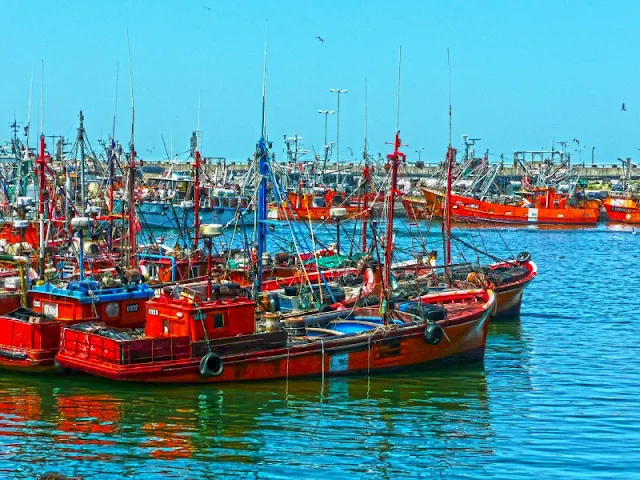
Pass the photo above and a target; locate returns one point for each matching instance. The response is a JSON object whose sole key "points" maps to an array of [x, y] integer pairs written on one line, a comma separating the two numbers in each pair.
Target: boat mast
{"points": [[451, 156], [112, 158], [365, 174], [83, 193], [42, 163], [196, 199], [132, 174], [262, 154], [395, 159]]}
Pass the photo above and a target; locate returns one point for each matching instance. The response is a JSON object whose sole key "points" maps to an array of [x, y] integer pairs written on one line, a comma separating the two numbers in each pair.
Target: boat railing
{"points": [[101, 348]]}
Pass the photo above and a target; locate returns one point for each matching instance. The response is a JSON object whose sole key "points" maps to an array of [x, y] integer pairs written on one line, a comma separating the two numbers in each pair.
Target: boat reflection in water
{"points": [[207, 431]]}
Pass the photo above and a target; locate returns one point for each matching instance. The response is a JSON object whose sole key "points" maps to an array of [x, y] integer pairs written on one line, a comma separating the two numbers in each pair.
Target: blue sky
{"points": [[523, 73]]}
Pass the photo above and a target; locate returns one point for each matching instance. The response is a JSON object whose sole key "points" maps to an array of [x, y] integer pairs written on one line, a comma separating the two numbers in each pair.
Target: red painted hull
{"points": [[622, 210], [509, 296], [474, 210], [385, 349]]}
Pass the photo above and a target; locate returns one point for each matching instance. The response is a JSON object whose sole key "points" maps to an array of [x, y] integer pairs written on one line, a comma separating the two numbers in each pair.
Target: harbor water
{"points": [[556, 397]]}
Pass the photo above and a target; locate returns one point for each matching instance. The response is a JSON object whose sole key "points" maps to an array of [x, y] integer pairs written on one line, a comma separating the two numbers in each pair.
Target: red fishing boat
{"points": [[187, 341], [541, 206], [622, 207], [316, 205]]}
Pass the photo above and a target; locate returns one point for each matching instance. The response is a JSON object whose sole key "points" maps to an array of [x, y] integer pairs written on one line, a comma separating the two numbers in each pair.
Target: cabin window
{"points": [[165, 326], [218, 320], [214, 202], [244, 202], [233, 202]]}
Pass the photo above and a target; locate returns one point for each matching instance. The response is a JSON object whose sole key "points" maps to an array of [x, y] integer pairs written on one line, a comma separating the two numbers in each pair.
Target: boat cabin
{"points": [[176, 329], [223, 317], [85, 300]]}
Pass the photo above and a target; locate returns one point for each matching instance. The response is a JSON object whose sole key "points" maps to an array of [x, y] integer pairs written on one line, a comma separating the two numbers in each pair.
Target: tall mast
{"points": [[132, 170], [83, 194], [451, 157], [365, 175], [396, 157], [112, 159], [196, 199], [262, 154], [42, 164]]}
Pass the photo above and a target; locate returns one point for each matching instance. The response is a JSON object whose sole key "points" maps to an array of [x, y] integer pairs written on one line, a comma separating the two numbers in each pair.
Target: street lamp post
{"points": [[593, 156], [326, 114], [338, 91]]}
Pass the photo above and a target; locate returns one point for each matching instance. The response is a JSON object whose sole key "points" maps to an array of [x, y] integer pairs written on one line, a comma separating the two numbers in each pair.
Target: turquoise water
{"points": [[557, 397]]}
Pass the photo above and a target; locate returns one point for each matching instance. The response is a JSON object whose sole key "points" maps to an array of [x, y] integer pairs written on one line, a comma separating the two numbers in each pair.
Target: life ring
{"points": [[211, 365], [523, 257], [433, 334]]}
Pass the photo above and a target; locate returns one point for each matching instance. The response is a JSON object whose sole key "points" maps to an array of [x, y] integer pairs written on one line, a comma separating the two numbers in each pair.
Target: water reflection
{"points": [[93, 426]]}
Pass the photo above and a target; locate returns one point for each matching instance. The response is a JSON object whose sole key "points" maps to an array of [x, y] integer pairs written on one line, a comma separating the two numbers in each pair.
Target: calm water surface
{"points": [[557, 397]]}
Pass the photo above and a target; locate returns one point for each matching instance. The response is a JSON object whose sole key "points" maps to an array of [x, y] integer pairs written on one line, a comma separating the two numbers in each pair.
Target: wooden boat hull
{"points": [[470, 209], [382, 350]]}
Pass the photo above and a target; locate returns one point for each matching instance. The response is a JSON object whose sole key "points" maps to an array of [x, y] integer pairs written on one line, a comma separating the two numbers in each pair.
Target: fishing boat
{"points": [[317, 204], [187, 341], [622, 207], [540, 206]]}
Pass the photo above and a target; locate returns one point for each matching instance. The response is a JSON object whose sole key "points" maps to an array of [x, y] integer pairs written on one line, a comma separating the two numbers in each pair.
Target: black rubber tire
{"points": [[523, 257], [433, 334], [211, 365]]}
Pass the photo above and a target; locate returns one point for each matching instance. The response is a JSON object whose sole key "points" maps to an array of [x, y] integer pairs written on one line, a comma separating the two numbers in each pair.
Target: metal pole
{"points": [[83, 198], [42, 162]]}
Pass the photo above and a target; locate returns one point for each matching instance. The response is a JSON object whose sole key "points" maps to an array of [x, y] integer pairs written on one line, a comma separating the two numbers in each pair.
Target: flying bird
{"points": [[321, 39], [204, 6], [624, 108]]}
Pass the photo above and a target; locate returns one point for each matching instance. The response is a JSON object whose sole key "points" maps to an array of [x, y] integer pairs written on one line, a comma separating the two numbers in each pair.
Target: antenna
{"points": [[264, 85], [198, 130], [29, 112], [133, 108], [450, 116], [41, 97], [364, 154], [398, 110], [165, 146], [115, 107]]}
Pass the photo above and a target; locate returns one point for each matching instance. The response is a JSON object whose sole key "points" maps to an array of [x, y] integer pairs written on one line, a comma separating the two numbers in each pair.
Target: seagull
{"points": [[624, 108], [321, 39], [204, 6]]}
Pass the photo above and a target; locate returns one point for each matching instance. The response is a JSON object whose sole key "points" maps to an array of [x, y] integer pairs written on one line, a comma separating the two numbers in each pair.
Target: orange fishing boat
{"points": [[317, 205], [622, 207], [544, 206]]}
